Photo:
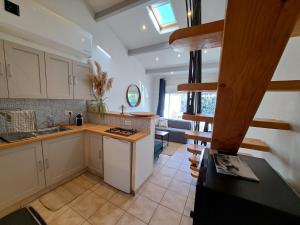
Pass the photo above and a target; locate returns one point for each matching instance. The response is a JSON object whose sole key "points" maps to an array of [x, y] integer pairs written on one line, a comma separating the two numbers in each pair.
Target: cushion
{"points": [[163, 123]]}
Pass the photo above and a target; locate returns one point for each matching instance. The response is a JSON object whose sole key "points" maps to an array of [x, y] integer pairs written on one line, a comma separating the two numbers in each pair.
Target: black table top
{"points": [[271, 190]]}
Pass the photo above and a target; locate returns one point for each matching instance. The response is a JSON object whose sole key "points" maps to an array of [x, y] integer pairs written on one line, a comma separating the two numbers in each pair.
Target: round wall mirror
{"points": [[133, 95]]}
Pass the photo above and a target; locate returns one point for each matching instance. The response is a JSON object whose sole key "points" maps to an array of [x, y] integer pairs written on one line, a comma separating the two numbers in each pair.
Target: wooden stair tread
{"points": [[194, 160], [249, 143], [198, 37], [205, 36], [255, 144], [198, 136], [195, 149], [280, 85], [194, 168], [195, 174], [257, 122]]}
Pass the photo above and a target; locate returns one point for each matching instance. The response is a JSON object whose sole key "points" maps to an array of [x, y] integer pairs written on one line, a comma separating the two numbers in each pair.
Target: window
{"points": [[175, 104], [163, 17]]}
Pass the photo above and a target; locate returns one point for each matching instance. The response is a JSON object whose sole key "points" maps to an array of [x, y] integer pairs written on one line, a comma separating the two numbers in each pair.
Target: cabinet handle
{"points": [[47, 163], [99, 154], [40, 165], [75, 81], [70, 80], [1, 69], [9, 73]]}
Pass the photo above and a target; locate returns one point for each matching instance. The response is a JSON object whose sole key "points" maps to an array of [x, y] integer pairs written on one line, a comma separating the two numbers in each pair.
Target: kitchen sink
{"points": [[13, 137], [51, 130]]}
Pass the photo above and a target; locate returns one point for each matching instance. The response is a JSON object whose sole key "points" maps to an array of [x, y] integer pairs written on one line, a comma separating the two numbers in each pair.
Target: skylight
{"points": [[163, 17]]}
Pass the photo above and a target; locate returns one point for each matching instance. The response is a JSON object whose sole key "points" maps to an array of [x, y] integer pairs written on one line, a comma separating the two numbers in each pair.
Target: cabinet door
{"points": [[59, 77], [117, 163], [25, 68], [3, 78], [21, 173], [63, 157], [94, 153], [82, 84]]}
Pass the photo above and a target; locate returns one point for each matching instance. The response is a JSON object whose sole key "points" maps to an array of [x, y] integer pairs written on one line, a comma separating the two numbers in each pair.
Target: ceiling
{"points": [[99, 5], [127, 26]]}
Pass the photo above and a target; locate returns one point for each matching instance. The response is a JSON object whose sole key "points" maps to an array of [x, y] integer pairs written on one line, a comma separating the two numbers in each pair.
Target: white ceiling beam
{"points": [[182, 68], [149, 48], [118, 8]]}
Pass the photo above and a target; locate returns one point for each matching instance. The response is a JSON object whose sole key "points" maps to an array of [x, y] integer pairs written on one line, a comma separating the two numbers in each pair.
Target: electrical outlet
{"points": [[127, 123], [67, 112]]}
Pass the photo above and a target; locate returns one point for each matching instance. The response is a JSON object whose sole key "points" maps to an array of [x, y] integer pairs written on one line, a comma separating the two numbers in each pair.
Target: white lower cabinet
{"points": [[117, 163], [21, 173], [94, 153], [63, 157]]}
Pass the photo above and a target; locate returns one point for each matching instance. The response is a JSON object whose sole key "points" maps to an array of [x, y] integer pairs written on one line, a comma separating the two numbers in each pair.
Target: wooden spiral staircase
{"points": [[253, 37]]}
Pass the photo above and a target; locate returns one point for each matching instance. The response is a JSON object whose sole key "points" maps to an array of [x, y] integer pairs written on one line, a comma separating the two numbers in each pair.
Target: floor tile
{"points": [[128, 219], [48, 215], [173, 164], [53, 201], [143, 209], [69, 217], [122, 200], [186, 220], [161, 180], [104, 191], [179, 187], [174, 201], [74, 188], [183, 176], [87, 204], [65, 193], [86, 223], [165, 216], [108, 214], [86, 181], [189, 206], [166, 171], [153, 192]]}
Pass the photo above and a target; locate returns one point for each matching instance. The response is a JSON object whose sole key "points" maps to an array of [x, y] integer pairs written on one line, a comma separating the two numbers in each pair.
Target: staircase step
{"points": [[249, 143], [195, 149], [279, 85], [257, 122], [195, 174], [203, 36]]}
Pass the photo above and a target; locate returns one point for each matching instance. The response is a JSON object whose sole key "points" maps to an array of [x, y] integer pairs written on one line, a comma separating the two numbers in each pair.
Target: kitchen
{"points": [[48, 134]]}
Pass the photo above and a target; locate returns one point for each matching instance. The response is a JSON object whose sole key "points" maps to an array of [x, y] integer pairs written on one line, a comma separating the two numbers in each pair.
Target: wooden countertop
{"points": [[94, 128]]}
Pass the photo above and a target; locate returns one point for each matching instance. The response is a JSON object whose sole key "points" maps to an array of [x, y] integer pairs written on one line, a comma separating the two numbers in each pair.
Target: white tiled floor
{"points": [[165, 199]]}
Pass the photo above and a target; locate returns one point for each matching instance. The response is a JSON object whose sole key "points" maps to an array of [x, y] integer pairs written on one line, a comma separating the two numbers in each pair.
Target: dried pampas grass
{"points": [[100, 81]]}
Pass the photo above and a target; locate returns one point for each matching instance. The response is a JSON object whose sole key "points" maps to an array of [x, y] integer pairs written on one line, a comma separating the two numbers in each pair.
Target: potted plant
{"points": [[100, 85]]}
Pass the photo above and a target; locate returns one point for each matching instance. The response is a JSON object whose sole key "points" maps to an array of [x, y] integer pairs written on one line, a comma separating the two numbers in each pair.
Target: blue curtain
{"points": [[161, 98]]}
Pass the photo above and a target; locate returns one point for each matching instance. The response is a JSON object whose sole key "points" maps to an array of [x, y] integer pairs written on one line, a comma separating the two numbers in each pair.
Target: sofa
{"points": [[176, 129]]}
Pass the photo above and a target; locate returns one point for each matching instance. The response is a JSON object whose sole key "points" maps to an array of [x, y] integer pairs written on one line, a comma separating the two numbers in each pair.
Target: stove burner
{"points": [[121, 131]]}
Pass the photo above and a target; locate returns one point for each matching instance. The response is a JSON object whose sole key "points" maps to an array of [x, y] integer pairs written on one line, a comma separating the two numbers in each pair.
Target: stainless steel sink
{"points": [[13, 137], [51, 130]]}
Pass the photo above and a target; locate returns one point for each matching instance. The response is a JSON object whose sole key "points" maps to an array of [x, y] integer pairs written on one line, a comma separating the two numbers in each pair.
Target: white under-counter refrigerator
{"points": [[127, 165]]}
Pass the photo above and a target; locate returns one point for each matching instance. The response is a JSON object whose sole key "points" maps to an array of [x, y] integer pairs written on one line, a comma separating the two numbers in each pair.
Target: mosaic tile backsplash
{"points": [[44, 108]]}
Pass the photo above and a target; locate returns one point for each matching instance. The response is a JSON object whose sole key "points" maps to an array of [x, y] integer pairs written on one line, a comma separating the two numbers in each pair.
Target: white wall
{"points": [[285, 156], [124, 69]]}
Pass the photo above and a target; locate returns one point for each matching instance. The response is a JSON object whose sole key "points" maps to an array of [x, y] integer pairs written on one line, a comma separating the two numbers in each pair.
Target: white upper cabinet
{"points": [[82, 84], [3, 80], [59, 77], [21, 173], [25, 68]]}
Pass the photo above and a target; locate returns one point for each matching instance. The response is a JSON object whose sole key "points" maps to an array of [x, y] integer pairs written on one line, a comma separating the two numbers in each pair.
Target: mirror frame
{"points": [[139, 99]]}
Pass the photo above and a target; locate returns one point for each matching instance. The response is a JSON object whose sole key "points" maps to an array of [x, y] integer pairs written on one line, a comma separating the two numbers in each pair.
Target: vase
{"points": [[102, 107]]}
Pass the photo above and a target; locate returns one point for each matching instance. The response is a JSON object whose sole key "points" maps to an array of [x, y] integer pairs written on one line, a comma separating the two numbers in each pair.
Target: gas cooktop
{"points": [[121, 131]]}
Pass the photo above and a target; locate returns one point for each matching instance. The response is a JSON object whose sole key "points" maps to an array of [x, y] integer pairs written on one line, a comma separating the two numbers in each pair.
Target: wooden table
{"points": [[161, 135]]}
